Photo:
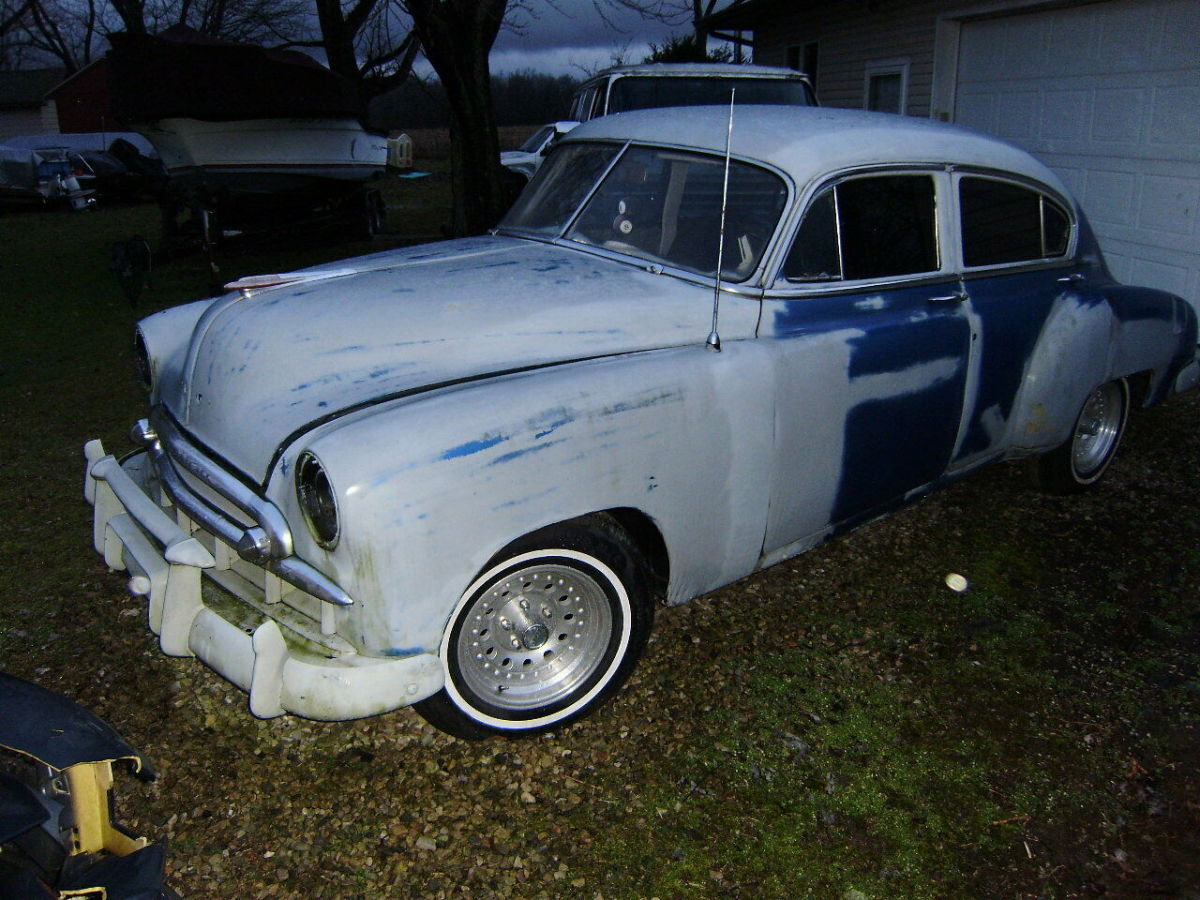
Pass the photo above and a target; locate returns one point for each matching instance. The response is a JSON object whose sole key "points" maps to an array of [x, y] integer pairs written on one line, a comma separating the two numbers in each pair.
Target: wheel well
{"points": [[638, 526], [1139, 388], [645, 534]]}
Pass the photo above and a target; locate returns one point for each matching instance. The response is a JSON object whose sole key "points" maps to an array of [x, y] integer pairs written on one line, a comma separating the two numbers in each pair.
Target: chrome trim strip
{"points": [[182, 452], [161, 433], [296, 571]]}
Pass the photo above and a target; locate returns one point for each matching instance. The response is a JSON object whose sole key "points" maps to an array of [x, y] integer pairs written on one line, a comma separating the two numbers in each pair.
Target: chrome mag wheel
{"points": [[1098, 429], [550, 629], [535, 635]]}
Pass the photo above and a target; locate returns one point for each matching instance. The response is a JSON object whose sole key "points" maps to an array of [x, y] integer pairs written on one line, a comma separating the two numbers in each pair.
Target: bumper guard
{"points": [[166, 564]]}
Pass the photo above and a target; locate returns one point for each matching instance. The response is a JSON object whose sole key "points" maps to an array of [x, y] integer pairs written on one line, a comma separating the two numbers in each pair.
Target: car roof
{"points": [[723, 70], [809, 143]]}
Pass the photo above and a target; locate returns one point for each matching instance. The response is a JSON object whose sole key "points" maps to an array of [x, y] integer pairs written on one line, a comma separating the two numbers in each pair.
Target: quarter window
{"points": [[1008, 223], [871, 227]]}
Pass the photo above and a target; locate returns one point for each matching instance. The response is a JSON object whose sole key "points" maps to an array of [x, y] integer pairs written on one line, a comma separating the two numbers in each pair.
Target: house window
{"points": [[803, 58], [885, 86]]}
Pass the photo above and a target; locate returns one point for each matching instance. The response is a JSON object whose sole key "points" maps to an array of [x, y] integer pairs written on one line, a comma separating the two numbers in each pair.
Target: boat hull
{"points": [[267, 156]]}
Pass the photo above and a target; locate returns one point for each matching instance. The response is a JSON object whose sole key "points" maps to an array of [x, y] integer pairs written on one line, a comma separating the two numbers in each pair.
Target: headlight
{"points": [[317, 500], [141, 361]]}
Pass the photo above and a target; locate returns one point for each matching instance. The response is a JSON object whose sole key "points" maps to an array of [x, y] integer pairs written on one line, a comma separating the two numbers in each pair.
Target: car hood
{"points": [[264, 365]]}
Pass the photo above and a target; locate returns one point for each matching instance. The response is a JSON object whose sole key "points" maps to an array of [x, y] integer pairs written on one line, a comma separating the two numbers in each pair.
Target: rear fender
{"points": [[1093, 338]]}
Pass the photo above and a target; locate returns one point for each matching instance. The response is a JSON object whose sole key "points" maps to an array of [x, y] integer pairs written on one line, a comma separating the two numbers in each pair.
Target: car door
{"points": [[871, 343], [1015, 240]]}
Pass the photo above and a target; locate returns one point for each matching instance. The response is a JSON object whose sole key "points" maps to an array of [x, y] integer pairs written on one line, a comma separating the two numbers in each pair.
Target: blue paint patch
{"points": [[401, 652], [328, 379], [1012, 311], [353, 348], [517, 454], [523, 500], [472, 447], [550, 421], [642, 403]]}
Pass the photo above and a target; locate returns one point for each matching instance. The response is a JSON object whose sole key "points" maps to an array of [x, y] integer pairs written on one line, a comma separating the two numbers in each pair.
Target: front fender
{"points": [[431, 487]]}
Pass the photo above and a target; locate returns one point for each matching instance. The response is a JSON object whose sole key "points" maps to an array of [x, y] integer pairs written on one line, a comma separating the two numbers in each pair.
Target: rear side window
{"points": [[875, 226], [1008, 223]]}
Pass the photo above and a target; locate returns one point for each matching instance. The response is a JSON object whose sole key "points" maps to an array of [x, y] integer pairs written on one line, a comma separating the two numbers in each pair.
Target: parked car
{"points": [[658, 85], [526, 160], [58, 837], [461, 475]]}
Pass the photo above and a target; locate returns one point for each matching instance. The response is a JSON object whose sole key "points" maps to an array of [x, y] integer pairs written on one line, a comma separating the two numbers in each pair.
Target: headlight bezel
{"points": [[318, 500]]}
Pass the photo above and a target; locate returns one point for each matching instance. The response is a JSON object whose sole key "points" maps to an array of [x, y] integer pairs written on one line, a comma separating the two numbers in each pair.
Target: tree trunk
{"points": [[337, 35], [457, 36]]}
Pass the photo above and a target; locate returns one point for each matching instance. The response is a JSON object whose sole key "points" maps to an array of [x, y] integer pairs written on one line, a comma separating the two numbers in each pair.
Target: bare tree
{"points": [[671, 12], [11, 13], [456, 37], [370, 42], [66, 32], [72, 33]]}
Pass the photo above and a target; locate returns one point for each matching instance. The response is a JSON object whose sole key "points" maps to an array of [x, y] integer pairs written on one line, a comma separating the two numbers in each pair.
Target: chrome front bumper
{"points": [[210, 599]]}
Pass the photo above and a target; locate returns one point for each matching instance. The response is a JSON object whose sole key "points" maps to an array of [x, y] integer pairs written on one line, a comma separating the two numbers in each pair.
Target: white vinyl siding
{"points": [[17, 122], [896, 29]]}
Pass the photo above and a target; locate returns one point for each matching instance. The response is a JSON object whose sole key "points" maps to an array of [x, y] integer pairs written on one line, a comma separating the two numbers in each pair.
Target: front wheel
{"points": [[1080, 462], [544, 635]]}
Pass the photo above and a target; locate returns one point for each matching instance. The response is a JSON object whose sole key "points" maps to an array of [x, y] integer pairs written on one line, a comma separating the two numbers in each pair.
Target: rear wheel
{"points": [[1082, 460], [545, 634]]}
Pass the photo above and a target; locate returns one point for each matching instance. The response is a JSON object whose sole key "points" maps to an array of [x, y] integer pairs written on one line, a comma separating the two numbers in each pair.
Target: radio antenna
{"points": [[714, 339]]}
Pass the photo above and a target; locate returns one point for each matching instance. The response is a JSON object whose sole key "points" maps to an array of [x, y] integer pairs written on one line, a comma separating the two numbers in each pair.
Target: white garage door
{"points": [[1108, 95]]}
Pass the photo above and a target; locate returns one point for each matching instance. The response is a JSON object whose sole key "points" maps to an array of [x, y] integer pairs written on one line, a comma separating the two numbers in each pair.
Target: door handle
{"points": [[1073, 278], [956, 297]]}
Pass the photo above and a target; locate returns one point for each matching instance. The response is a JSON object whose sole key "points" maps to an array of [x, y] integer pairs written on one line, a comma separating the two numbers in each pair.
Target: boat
{"points": [[245, 132], [44, 176]]}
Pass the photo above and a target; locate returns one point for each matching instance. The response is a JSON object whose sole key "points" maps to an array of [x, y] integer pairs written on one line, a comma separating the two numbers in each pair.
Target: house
{"points": [[83, 101], [1107, 92], [24, 105]]}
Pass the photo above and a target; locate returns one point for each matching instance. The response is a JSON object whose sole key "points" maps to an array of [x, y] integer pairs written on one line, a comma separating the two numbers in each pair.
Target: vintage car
{"points": [[461, 475], [658, 85], [527, 159]]}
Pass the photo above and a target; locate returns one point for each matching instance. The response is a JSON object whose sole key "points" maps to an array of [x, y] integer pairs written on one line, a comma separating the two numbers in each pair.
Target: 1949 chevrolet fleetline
{"points": [[461, 475]]}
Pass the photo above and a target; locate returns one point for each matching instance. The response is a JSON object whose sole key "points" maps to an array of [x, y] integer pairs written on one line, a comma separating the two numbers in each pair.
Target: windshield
{"points": [[655, 204], [654, 92], [534, 142]]}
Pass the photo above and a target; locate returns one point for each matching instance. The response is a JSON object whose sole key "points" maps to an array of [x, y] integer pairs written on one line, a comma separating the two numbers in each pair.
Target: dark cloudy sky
{"points": [[571, 37]]}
